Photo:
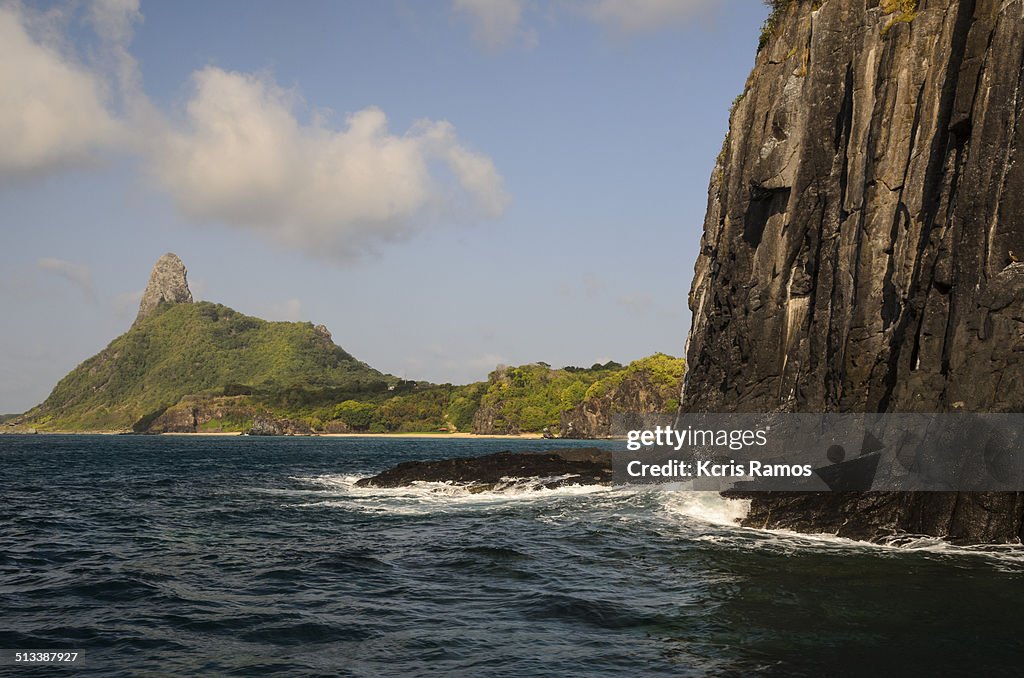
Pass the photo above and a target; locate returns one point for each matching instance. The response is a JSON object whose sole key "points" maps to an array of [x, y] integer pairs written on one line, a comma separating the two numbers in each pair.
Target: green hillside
{"points": [[188, 349], [531, 398], [186, 367], [524, 399], [204, 367]]}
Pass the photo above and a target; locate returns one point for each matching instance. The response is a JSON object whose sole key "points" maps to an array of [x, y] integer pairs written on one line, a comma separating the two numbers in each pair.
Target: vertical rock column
{"points": [[168, 284], [860, 246]]}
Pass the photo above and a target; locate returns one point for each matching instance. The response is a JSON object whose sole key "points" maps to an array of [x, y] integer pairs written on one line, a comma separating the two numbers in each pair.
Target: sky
{"points": [[448, 185]]}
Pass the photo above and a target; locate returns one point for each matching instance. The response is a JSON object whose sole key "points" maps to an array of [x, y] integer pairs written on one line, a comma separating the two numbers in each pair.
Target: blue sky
{"points": [[446, 185]]}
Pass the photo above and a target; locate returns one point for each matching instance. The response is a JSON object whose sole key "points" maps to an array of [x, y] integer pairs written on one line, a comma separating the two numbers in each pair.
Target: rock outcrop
{"points": [[265, 425], [577, 402], [860, 246], [548, 470], [636, 393], [168, 284], [187, 366], [193, 414]]}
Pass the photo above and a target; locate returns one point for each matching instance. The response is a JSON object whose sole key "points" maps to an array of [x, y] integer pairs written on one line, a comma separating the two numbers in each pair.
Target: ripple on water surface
{"points": [[260, 557]]}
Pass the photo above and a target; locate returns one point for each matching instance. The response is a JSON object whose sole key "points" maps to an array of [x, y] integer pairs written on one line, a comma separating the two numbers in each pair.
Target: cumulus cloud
{"points": [[79, 274], [496, 23], [114, 22], [634, 16], [53, 111], [245, 158], [241, 153]]}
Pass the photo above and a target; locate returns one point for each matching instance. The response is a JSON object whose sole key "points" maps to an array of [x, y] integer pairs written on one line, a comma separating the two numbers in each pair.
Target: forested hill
{"points": [[197, 349], [187, 366]]}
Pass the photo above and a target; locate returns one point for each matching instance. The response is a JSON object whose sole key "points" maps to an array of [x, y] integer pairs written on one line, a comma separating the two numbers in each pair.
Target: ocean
{"points": [[258, 556]]}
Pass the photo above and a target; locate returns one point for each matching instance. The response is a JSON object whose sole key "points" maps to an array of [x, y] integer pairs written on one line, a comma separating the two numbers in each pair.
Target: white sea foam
{"points": [[717, 512], [432, 497], [707, 507], [713, 518], [1003, 556]]}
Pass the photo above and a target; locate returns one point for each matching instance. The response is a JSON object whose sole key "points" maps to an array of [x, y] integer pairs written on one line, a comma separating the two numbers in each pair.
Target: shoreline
{"points": [[459, 435]]}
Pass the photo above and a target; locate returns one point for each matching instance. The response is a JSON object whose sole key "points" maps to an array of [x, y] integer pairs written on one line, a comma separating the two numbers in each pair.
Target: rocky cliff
{"points": [[593, 417], [168, 284], [860, 247], [177, 349], [646, 386], [576, 402]]}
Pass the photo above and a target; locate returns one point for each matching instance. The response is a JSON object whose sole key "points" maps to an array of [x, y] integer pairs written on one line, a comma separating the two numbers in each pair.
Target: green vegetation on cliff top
{"points": [[534, 397], [185, 349], [523, 399], [205, 367]]}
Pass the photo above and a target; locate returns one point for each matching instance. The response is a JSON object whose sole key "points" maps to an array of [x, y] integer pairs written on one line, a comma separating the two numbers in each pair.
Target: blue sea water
{"points": [[258, 556]]}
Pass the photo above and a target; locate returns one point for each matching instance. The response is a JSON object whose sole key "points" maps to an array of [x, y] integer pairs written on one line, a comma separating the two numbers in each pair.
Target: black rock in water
{"points": [[861, 244], [554, 468]]}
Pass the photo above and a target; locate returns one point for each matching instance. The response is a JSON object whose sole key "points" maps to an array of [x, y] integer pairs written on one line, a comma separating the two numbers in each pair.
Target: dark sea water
{"points": [[249, 556]]}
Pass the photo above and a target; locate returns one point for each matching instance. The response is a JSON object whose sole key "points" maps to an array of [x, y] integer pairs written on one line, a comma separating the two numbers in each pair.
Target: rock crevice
{"points": [[865, 219]]}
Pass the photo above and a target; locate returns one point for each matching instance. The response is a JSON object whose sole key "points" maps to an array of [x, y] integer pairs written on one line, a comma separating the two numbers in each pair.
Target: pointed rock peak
{"points": [[168, 283]]}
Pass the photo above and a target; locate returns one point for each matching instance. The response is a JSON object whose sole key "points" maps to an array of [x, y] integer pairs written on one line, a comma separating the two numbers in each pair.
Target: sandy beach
{"points": [[523, 436]]}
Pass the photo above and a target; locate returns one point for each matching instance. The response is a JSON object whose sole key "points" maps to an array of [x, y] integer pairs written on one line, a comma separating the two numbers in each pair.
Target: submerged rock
{"points": [[554, 468], [860, 246]]}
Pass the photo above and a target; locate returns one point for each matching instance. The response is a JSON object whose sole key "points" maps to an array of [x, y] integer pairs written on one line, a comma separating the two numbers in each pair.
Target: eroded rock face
{"points": [[593, 417], [168, 283], [191, 414], [860, 245], [263, 425]]}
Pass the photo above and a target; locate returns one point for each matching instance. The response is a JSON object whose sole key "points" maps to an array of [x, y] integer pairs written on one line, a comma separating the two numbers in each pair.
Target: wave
{"points": [[706, 507], [706, 517], [433, 497], [713, 509]]}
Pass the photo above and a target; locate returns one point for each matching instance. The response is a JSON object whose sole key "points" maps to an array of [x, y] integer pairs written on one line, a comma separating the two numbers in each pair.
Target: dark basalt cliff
{"points": [[861, 240], [550, 469]]}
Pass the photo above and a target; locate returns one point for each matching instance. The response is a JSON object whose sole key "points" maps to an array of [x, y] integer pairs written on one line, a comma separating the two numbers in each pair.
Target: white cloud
{"points": [[114, 20], [53, 110], [496, 23], [79, 274], [242, 155], [245, 158], [634, 16]]}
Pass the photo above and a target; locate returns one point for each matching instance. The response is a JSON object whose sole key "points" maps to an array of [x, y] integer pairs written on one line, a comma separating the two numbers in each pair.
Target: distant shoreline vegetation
{"points": [[205, 368]]}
